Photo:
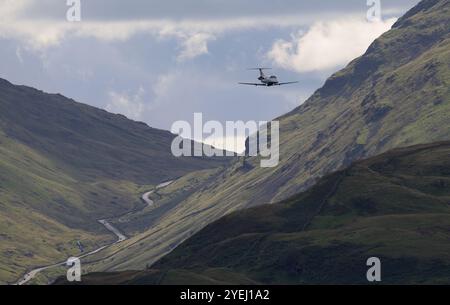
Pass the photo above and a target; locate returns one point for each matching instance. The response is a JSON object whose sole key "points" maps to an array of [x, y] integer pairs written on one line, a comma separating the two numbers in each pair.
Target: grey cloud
{"points": [[199, 9]]}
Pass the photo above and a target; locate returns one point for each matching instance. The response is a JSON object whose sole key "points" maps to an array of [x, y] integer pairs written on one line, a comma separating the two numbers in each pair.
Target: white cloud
{"points": [[41, 24], [13, 25], [12, 8], [193, 35], [327, 45], [195, 45], [132, 106]]}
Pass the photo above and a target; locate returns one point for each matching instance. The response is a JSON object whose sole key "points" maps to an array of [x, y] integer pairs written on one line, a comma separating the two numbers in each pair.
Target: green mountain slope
{"points": [[396, 94], [63, 165], [91, 141], [395, 206]]}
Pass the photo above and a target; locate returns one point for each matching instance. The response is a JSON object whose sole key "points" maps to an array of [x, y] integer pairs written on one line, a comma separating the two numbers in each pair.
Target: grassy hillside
{"points": [[63, 165], [395, 206], [91, 141], [396, 94], [45, 211]]}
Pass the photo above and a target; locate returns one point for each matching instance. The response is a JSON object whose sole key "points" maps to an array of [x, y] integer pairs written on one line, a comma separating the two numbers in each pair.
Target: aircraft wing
{"points": [[287, 83], [253, 84]]}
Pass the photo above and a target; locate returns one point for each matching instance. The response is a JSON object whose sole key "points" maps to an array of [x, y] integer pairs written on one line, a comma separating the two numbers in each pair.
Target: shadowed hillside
{"points": [[89, 140], [395, 206]]}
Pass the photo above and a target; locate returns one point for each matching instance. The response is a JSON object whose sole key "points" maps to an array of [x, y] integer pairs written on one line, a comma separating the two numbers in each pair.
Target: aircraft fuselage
{"points": [[268, 81]]}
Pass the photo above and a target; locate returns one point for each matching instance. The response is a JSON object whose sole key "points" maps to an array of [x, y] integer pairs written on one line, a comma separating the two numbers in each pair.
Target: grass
{"points": [[44, 211], [277, 244]]}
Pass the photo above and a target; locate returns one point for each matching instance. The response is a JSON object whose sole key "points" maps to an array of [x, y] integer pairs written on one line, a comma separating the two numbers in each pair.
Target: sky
{"points": [[161, 61]]}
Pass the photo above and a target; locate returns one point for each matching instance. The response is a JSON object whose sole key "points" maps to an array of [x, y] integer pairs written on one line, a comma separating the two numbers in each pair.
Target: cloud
{"points": [[11, 8], [195, 45], [193, 35], [28, 22], [132, 106], [327, 45], [41, 25]]}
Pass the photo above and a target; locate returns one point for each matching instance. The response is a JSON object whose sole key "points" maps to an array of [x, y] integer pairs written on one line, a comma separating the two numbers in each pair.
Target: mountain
{"points": [[396, 94], [63, 165], [91, 141], [395, 206]]}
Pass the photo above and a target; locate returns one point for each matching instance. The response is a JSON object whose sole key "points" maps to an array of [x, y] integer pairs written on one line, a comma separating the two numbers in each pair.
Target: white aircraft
{"points": [[267, 81]]}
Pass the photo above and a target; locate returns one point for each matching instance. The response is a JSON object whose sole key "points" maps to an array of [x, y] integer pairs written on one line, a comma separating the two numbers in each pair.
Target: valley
{"points": [[64, 166], [379, 102], [29, 276], [362, 170]]}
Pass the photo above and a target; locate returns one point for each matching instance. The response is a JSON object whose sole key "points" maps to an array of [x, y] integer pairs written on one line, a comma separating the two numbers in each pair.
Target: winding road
{"points": [[120, 237], [146, 196], [110, 227]]}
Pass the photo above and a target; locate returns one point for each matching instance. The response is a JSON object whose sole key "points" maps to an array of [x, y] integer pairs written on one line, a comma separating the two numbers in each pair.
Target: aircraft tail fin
{"points": [[261, 73]]}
